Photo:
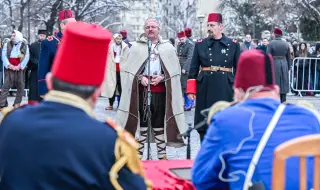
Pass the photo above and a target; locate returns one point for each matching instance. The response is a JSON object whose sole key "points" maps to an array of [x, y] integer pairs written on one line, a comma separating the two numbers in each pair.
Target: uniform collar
{"points": [[69, 99], [223, 40]]}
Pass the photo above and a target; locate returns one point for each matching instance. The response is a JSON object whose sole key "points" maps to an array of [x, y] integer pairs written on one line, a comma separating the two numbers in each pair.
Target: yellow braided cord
{"points": [[215, 108], [126, 154], [114, 172], [5, 112]]}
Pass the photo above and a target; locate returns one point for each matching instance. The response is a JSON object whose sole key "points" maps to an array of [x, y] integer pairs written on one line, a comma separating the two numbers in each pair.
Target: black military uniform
{"points": [[217, 59], [33, 66]]}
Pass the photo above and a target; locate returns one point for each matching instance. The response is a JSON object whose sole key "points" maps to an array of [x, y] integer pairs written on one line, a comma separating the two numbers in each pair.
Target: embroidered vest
{"points": [[23, 50]]}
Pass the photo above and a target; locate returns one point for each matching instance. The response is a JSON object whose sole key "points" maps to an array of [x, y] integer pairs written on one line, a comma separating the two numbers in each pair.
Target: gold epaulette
{"points": [[5, 112], [126, 154], [217, 107]]}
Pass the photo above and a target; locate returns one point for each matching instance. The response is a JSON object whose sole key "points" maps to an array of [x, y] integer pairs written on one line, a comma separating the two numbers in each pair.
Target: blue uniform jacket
{"points": [[229, 127], [47, 53], [58, 146]]}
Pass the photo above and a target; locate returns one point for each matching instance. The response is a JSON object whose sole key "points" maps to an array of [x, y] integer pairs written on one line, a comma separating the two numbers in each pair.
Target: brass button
{"points": [[209, 48], [225, 60], [210, 59]]}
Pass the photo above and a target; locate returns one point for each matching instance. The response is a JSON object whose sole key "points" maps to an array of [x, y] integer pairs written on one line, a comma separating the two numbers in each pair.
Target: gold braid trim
{"points": [[126, 154], [5, 112], [217, 107], [69, 99]]}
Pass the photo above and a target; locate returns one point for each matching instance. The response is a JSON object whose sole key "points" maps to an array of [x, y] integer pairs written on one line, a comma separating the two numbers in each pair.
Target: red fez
{"points": [[65, 14], [215, 17], [181, 34], [188, 32], [255, 68], [82, 44], [123, 33], [277, 31]]}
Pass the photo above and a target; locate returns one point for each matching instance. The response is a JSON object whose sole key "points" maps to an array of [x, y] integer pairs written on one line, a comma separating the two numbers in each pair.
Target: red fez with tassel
{"points": [[82, 43], [188, 32], [123, 33], [65, 14], [181, 34], [254, 68], [277, 31], [215, 17]]}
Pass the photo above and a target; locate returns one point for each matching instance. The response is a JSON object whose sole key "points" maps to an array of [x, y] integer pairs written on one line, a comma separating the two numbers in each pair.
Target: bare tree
{"points": [[177, 15], [312, 7]]}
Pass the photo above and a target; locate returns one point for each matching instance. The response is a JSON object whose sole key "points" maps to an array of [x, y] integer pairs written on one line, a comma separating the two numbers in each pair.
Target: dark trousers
{"points": [[283, 97], [157, 109], [33, 86], [118, 86], [11, 79]]}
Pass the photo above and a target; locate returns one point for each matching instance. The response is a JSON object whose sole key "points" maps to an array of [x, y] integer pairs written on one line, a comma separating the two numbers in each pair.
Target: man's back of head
{"points": [[255, 76]]}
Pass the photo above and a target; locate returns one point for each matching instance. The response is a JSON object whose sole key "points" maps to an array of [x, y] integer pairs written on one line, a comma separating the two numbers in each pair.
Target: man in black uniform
{"points": [[217, 55], [33, 96]]}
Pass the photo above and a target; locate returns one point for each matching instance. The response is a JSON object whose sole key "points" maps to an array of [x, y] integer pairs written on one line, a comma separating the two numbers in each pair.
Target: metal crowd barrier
{"points": [[304, 75]]}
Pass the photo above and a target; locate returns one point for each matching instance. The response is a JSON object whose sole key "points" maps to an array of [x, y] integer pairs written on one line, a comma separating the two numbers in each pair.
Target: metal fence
{"points": [[304, 76]]}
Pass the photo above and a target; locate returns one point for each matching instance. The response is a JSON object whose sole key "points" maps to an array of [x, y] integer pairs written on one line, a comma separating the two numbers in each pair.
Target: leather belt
{"points": [[216, 68], [279, 57]]}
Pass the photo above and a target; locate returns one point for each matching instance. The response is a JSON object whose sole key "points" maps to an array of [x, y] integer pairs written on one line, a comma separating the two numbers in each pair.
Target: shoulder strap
{"points": [[261, 145], [56, 38]]}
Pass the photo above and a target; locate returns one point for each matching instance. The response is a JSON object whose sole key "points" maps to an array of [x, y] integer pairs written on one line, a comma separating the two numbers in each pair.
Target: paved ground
{"points": [[172, 153]]}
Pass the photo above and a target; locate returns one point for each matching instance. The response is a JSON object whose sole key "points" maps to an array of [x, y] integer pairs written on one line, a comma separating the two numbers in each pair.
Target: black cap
{"points": [[42, 32]]}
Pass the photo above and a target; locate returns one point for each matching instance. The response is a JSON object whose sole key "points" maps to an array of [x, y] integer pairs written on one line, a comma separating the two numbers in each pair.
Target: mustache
{"points": [[209, 30]]}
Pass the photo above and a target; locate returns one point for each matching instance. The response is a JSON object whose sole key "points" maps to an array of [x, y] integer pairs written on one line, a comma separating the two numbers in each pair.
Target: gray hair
{"points": [[152, 20]]}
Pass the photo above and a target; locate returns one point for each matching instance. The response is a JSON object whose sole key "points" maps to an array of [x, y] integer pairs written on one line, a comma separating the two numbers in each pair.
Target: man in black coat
{"points": [[33, 96], [216, 58]]}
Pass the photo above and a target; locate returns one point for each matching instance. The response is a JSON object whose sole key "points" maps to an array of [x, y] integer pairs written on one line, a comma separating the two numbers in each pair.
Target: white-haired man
{"points": [[167, 113], [112, 84], [15, 57]]}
